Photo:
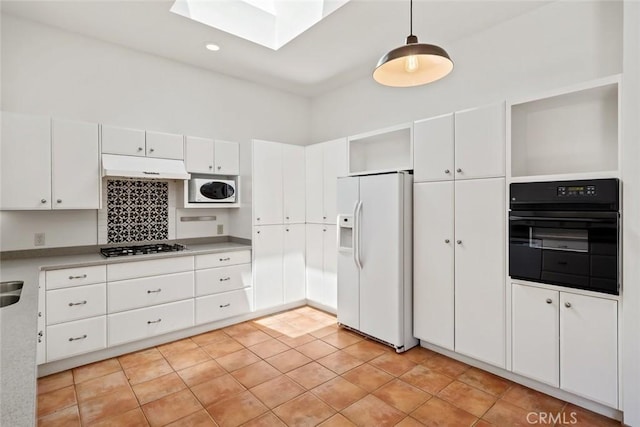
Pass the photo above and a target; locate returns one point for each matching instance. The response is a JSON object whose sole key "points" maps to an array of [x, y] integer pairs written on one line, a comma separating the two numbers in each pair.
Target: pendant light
{"points": [[413, 64]]}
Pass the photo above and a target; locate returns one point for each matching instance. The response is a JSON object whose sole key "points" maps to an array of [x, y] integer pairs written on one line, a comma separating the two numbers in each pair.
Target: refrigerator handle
{"points": [[356, 234]]}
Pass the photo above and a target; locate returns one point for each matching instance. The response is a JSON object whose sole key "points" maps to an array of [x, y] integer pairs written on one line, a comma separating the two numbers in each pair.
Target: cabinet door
{"points": [[165, 145], [75, 165], [199, 154], [433, 150], [334, 165], [589, 347], [314, 183], [267, 183], [315, 267], [116, 140], [25, 156], [294, 265], [330, 266], [227, 158], [293, 184], [268, 275], [433, 267], [535, 333], [480, 270], [480, 142]]}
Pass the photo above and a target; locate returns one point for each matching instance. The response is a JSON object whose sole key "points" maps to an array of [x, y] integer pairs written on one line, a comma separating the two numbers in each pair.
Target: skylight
{"points": [[270, 23]]}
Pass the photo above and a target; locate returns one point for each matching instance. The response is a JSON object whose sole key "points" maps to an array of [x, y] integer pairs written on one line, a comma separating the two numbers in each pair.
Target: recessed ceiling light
{"points": [[212, 47]]}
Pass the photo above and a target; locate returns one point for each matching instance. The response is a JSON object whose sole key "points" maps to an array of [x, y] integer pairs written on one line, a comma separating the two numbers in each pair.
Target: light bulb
{"points": [[411, 64]]}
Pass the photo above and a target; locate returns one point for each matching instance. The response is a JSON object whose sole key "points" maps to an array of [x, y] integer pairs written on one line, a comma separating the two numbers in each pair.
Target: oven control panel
{"points": [[576, 190]]}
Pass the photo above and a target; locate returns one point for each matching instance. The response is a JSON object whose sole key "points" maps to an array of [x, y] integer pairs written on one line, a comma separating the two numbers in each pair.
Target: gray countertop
{"points": [[18, 323]]}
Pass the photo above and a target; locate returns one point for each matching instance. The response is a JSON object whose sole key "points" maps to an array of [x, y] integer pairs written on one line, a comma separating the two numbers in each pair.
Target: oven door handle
{"points": [[546, 218]]}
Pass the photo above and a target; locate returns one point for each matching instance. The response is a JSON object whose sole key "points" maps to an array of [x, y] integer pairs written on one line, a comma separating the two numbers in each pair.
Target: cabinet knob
{"points": [[459, 170], [258, 231], [43, 200], [447, 171], [324, 217], [286, 229], [459, 242], [287, 217], [447, 240], [59, 201], [140, 148], [567, 304], [324, 229], [549, 300], [219, 167], [210, 166], [258, 219], [151, 150]]}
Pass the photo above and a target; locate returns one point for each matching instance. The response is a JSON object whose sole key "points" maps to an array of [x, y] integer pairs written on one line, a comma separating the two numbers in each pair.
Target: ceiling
{"points": [[341, 48]]}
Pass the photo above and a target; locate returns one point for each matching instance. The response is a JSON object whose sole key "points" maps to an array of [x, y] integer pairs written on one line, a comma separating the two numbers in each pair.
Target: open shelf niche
{"points": [[384, 150], [572, 132]]}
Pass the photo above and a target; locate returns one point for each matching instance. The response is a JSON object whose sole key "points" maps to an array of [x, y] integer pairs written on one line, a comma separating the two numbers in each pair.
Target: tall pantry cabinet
{"points": [[278, 175], [325, 162], [459, 266]]}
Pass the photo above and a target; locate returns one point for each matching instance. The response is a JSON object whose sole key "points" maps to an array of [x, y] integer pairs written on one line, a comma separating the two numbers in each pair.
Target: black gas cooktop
{"points": [[141, 249]]}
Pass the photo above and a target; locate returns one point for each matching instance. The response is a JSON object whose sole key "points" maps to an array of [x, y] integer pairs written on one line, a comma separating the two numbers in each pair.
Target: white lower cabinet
{"points": [[64, 305], [459, 267], [223, 305], [147, 291], [146, 322], [294, 262], [322, 265], [268, 247], [222, 279], [72, 338], [566, 340]]}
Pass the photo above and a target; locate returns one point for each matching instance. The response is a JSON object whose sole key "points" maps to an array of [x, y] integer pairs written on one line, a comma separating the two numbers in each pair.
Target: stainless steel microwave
{"points": [[207, 190]]}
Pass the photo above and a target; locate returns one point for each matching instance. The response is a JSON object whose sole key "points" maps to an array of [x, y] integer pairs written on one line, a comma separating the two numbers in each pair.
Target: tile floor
{"points": [[295, 368]]}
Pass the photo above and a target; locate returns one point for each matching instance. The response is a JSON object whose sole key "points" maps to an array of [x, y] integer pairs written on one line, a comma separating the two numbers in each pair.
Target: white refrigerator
{"points": [[375, 257]]}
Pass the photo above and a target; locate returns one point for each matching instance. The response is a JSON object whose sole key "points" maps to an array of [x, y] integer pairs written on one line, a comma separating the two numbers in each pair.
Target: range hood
{"points": [[143, 167]]}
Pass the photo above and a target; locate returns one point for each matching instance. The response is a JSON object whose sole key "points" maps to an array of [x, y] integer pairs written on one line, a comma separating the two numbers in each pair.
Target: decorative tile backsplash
{"points": [[137, 211]]}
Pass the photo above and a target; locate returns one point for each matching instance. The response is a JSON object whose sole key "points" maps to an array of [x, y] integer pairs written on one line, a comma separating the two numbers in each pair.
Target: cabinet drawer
{"points": [[80, 302], [222, 279], [132, 270], [81, 336], [222, 306], [148, 291], [75, 276], [222, 259], [146, 322]]}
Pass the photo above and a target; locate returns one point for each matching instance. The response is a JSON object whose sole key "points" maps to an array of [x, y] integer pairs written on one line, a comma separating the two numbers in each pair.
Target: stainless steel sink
{"points": [[10, 292], [6, 300], [12, 286]]}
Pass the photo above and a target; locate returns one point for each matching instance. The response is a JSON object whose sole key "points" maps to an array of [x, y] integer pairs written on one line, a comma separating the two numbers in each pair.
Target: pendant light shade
{"points": [[413, 64]]}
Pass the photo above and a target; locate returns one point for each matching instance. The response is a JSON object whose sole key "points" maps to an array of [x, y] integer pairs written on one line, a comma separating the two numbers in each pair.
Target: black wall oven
{"points": [[566, 233]]}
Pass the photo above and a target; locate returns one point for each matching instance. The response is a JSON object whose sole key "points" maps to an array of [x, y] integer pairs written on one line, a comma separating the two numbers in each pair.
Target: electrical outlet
{"points": [[220, 228], [38, 239]]}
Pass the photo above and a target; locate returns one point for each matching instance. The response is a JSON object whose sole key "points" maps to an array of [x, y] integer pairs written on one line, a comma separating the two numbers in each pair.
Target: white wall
{"points": [[53, 72], [557, 45]]}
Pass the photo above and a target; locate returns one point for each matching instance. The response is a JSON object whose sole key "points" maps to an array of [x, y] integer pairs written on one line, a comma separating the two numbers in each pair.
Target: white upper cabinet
{"points": [[117, 140], [165, 145], [480, 142], [325, 162], [204, 155], [267, 183], [433, 152], [464, 145], [227, 158], [26, 162], [293, 183], [294, 263], [199, 154], [75, 165]]}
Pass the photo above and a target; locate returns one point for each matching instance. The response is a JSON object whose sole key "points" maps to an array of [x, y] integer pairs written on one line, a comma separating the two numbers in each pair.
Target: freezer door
{"points": [[380, 220], [348, 271]]}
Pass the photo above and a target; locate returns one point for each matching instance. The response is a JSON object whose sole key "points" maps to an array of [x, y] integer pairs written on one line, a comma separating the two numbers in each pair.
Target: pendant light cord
{"points": [[411, 17]]}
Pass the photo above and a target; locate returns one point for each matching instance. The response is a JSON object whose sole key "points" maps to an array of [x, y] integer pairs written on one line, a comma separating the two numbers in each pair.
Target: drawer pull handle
{"points": [[225, 305], [225, 259], [224, 279], [71, 304], [155, 292], [83, 276], [78, 338], [153, 321]]}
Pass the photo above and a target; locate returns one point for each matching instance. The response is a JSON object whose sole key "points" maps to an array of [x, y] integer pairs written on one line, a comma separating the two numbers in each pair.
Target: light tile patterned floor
{"points": [[295, 368]]}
